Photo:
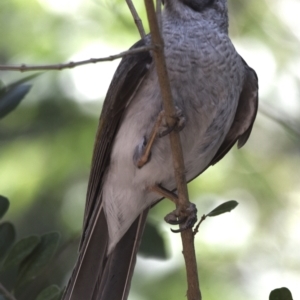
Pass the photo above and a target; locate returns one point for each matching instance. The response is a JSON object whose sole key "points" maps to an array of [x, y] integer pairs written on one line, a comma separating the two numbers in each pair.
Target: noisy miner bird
{"points": [[216, 98]]}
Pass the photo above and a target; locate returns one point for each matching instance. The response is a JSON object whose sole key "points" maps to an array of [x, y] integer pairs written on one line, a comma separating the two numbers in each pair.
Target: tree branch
{"points": [[6, 293], [158, 13], [187, 236], [70, 65], [136, 18]]}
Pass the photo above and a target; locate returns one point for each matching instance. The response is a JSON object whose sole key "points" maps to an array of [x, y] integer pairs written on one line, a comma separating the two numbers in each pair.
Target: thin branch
{"points": [[199, 223], [187, 236], [137, 19], [69, 65], [158, 13], [6, 293]]}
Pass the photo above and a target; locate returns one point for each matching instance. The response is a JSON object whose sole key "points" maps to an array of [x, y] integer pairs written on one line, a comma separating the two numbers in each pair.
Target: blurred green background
{"points": [[46, 147]]}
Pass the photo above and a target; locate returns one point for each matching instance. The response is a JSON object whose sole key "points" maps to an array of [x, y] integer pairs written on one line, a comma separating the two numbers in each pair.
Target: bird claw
{"points": [[178, 125], [185, 221], [142, 152], [174, 219]]}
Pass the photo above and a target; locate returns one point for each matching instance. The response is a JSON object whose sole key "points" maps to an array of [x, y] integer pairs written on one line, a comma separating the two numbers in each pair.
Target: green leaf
{"points": [[4, 88], [223, 208], [7, 237], [12, 94], [11, 98], [281, 294], [20, 251], [50, 293], [38, 259], [152, 244], [4, 205]]}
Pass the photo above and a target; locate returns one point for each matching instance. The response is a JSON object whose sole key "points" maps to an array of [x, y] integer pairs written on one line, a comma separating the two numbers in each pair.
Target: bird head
{"points": [[210, 10]]}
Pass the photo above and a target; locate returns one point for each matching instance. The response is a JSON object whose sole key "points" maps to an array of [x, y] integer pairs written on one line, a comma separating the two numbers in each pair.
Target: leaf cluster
{"points": [[27, 258]]}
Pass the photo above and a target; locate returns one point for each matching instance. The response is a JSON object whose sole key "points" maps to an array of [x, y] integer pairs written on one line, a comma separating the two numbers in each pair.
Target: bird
{"points": [[216, 97]]}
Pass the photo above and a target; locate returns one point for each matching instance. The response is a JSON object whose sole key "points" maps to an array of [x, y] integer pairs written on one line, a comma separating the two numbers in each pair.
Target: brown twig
{"points": [[69, 65], [199, 223], [158, 13], [187, 236], [6, 293], [136, 18]]}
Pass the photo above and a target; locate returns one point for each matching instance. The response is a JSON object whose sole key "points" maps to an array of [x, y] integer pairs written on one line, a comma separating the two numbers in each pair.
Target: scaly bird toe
{"points": [[186, 219], [178, 125]]}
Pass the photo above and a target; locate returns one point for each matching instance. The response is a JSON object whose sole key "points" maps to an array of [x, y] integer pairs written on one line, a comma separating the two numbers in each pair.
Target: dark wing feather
{"points": [[245, 115], [117, 274], [88, 278], [127, 78]]}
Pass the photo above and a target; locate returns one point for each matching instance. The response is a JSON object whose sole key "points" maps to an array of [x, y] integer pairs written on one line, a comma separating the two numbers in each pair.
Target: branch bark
{"points": [[158, 13], [6, 293], [136, 18], [187, 236], [70, 65]]}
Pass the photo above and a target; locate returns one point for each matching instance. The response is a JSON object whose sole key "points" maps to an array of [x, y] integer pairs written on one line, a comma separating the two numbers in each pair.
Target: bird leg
{"points": [[143, 152], [147, 145], [186, 217]]}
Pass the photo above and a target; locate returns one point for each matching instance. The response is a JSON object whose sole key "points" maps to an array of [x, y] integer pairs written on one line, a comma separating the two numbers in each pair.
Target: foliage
{"points": [[13, 94], [223, 208], [24, 261], [281, 294]]}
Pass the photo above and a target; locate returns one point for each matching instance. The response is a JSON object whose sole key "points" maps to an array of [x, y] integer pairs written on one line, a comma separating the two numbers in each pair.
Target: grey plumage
{"points": [[217, 93]]}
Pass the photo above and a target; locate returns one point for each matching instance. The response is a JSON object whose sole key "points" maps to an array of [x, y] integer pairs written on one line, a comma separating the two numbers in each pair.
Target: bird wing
{"points": [[128, 77], [89, 279], [244, 117]]}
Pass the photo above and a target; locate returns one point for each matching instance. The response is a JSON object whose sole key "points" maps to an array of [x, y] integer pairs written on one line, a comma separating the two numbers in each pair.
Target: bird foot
{"points": [[185, 218], [178, 125], [142, 151]]}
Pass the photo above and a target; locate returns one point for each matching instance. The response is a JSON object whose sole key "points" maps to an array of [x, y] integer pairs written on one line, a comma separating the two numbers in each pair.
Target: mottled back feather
{"points": [[244, 117]]}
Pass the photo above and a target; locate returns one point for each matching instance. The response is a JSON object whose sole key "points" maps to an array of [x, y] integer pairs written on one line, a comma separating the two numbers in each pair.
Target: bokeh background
{"points": [[46, 146]]}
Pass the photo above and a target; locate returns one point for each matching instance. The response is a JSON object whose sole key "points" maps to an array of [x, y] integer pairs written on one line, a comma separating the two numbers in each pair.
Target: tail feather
{"points": [[98, 276], [116, 278], [91, 260]]}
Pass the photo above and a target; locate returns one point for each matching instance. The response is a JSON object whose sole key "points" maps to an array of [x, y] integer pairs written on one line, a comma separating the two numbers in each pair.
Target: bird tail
{"points": [[98, 276]]}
